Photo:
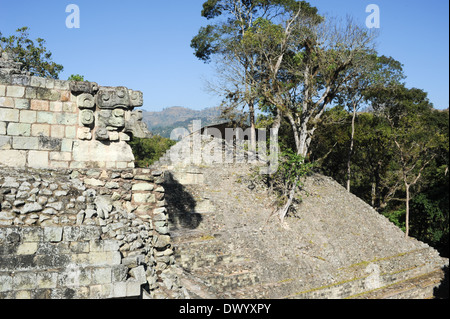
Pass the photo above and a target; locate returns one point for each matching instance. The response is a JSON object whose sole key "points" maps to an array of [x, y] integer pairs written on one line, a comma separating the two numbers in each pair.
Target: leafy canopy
{"points": [[33, 55]]}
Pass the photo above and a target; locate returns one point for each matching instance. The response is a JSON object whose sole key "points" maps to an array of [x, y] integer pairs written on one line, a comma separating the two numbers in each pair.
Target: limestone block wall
{"points": [[84, 234], [47, 123]]}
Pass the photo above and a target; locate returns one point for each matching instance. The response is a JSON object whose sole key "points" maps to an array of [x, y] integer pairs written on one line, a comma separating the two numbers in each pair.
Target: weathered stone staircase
{"points": [[225, 249]]}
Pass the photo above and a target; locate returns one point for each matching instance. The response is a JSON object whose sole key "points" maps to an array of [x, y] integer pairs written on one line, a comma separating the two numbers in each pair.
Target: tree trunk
{"points": [[350, 152], [374, 194], [408, 197], [283, 212], [252, 145]]}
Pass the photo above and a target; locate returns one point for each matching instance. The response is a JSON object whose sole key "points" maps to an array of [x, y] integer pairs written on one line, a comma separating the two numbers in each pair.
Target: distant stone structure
{"points": [[48, 123]]}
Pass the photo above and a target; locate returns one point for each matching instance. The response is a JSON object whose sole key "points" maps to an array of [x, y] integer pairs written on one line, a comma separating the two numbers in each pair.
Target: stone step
{"points": [[180, 222], [307, 288], [225, 278], [420, 287], [355, 288], [195, 257]]}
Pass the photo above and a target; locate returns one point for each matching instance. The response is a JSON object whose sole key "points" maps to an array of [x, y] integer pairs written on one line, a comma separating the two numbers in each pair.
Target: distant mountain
{"points": [[164, 122]]}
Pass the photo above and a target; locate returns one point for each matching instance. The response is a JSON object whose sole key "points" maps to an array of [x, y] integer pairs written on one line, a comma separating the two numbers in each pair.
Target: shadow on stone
{"points": [[181, 205], [442, 292]]}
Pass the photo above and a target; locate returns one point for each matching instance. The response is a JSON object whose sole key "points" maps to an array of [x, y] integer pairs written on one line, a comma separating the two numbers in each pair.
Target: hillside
{"points": [[163, 122]]}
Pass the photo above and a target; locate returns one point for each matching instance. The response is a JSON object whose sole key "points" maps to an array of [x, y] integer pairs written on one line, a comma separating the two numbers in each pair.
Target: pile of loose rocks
{"points": [[127, 206]]}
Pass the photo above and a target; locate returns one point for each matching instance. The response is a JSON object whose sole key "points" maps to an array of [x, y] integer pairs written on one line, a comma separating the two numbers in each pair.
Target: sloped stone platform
{"points": [[335, 246]]}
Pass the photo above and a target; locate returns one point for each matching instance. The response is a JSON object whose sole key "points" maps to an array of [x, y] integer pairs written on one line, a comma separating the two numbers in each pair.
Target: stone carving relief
{"points": [[107, 113]]}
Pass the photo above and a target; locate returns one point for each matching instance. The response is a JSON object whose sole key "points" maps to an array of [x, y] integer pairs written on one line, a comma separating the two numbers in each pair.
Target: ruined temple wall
{"points": [[84, 234], [48, 123]]}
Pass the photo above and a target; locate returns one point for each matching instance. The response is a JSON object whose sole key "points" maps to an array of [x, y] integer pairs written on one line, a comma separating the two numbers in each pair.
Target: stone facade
{"points": [[84, 234], [48, 123]]}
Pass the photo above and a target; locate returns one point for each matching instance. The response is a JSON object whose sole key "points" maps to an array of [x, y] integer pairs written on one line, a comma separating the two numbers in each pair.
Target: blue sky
{"points": [[145, 44]]}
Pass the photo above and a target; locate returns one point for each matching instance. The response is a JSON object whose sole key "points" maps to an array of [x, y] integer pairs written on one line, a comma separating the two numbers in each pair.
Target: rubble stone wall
{"points": [[84, 234]]}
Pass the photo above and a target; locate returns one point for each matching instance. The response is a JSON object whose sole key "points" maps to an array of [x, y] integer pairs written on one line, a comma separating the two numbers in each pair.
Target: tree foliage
{"points": [[378, 168], [33, 55], [76, 77], [148, 150]]}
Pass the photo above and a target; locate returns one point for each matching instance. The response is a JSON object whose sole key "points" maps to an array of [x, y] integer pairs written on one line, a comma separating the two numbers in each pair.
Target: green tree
{"points": [[371, 72], [293, 60], [34, 56], [415, 142], [148, 150], [76, 77]]}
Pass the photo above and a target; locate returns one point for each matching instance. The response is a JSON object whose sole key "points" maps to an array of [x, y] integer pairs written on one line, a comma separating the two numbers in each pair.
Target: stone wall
{"points": [[84, 234], [48, 123]]}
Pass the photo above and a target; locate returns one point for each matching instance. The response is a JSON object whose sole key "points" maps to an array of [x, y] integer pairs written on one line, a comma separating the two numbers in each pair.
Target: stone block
{"points": [[7, 102], [15, 91], [60, 156], [2, 128], [56, 106], [46, 280], [61, 85], [13, 158], [25, 143], [95, 151], [103, 291], [89, 233], [46, 117], [20, 79], [126, 289], [69, 107], [24, 281], [143, 187], [2, 90], [101, 275], [27, 116], [23, 104], [53, 234], [5, 282], [19, 129], [39, 105], [66, 145], [79, 247], [38, 159], [32, 234], [27, 249], [94, 182], [139, 275], [30, 93], [66, 118], [71, 132], [37, 81], [48, 94], [65, 96], [49, 143], [105, 258], [40, 130], [9, 115], [104, 246], [57, 131], [144, 198]]}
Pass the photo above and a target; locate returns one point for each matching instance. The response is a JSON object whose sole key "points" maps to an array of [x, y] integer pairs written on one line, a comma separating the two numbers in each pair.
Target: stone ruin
{"points": [[77, 220], [48, 123]]}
